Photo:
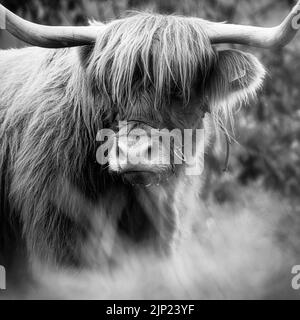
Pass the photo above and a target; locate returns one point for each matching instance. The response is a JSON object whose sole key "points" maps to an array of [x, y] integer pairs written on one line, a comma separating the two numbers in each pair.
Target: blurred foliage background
{"points": [[267, 132]]}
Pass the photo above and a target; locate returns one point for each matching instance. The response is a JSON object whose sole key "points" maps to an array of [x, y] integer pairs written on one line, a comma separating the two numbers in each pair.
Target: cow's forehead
{"points": [[152, 53]]}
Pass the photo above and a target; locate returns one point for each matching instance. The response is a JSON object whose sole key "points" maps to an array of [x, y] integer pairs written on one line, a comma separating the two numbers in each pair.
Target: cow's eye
{"points": [[178, 94]]}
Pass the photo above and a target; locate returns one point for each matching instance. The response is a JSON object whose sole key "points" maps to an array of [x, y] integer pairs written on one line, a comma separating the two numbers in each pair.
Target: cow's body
{"points": [[53, 102], [34, 114]]}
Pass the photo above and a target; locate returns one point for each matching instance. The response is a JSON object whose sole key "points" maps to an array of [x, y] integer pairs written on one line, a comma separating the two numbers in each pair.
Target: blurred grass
{"points": [[239, 250]]}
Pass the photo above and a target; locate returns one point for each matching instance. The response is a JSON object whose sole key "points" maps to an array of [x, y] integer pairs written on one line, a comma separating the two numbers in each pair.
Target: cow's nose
{"points": [[135, 151]]}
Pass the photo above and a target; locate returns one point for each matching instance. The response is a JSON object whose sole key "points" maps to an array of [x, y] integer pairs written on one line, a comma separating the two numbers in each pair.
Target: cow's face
{"points": [[148, 148], [154, 75], [149, 143]]}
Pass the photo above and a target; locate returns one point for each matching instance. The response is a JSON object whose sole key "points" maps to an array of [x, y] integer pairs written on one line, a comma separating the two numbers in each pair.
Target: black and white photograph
{"points": [[150, 151]]}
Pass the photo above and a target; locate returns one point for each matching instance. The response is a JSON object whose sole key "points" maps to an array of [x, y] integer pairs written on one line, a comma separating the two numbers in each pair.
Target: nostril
{"points": [[120, 152], [106, 153], [149, 152]]}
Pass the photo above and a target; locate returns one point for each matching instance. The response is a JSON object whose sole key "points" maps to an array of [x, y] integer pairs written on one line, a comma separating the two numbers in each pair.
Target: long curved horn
{"points": [[58, 37], [257, 36], [46, 36]]}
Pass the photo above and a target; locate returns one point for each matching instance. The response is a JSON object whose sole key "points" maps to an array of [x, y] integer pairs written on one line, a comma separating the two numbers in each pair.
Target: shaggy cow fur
{"points": [[54, 101]]}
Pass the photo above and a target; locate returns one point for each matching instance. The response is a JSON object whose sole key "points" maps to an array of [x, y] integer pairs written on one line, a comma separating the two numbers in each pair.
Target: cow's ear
{"points": [[235, 79]]}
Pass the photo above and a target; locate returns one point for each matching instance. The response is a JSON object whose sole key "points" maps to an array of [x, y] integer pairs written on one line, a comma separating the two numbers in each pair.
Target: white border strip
{"points": [[2, 278], [2, 18]]}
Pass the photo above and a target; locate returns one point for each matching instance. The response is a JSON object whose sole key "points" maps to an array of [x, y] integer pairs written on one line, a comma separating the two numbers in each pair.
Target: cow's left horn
{"points": [[46, 36], [277, 36]]}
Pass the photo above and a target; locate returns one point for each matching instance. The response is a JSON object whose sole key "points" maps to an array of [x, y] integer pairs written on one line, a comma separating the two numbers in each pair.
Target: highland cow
{"points": [[151, 70]]}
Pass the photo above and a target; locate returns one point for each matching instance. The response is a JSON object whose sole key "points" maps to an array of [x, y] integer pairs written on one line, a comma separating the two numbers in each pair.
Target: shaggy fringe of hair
{"points": [[159, 55], [149, 52]]}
